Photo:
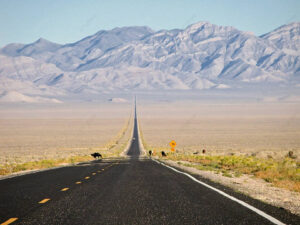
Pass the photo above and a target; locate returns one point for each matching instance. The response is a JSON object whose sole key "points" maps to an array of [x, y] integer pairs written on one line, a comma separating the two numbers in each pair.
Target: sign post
{"points": [[173, 145]]}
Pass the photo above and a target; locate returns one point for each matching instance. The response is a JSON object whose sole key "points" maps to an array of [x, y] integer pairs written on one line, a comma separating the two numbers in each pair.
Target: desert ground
{"points": [[254, 138], [32, 133], [257, 128], [246, 143]]}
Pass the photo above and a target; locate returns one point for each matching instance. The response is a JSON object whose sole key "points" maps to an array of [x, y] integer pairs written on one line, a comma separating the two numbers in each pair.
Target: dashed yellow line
{"points": [[44, 200], [9, 221]]}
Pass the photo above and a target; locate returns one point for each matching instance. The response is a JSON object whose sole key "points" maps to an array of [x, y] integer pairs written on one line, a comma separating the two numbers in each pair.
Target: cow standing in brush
{"points": [[96, 155]]}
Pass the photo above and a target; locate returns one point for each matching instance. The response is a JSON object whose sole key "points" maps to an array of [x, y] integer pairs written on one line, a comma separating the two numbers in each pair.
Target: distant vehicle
{"points": [[96, 155], [133, 138]]}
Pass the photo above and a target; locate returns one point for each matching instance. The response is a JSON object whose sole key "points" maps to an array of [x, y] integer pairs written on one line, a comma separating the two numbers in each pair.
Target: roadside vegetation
{"points": [[41, 164], [111, 149], [119, 143], [283, 173]]}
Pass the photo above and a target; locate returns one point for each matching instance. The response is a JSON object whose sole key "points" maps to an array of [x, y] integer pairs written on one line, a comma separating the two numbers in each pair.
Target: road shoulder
{"points": [[252, 187]]}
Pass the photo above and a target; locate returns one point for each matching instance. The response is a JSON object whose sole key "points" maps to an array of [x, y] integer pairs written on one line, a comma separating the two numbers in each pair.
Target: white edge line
{"points": [[261, 213]]}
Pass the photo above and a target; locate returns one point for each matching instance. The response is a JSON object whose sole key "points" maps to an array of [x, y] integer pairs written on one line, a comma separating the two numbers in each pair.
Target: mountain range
{"points": [[201, 56]]}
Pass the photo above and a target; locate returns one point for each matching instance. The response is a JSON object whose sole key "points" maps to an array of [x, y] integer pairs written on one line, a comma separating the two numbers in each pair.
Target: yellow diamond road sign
{"points": [[172, 144]]}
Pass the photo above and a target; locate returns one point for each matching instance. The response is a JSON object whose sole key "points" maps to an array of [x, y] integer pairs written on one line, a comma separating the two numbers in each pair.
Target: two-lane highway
{"points": [[131, 191]]}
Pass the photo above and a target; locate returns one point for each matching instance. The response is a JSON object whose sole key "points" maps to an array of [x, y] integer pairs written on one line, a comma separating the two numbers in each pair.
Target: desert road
{"points": [[135, 190]]}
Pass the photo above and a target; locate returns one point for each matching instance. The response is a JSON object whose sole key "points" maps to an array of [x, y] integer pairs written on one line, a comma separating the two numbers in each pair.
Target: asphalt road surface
{"points": [[136, 190]]}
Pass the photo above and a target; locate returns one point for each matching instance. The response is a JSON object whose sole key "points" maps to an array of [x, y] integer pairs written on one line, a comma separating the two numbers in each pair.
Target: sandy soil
{"points": [[266, 130], [29, 133], [261, 129]]}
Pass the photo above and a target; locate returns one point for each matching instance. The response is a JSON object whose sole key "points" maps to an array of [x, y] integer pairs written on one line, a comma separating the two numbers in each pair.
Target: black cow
{"points": [[163, 154], [150, 153], [96, 155]]}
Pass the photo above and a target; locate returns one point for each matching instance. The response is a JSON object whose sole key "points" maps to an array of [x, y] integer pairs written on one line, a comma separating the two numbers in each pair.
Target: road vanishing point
{"points": [[131, 190]]}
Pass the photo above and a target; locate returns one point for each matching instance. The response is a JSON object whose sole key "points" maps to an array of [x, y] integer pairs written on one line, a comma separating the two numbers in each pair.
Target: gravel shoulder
{"points": [[253, 187]]}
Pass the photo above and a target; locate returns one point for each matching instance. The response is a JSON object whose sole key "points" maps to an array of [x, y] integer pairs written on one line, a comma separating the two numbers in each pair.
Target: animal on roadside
{"points": [[196, 153], [163, 154], [96, 155], [291, 155], [203, 151], [150, 153]]}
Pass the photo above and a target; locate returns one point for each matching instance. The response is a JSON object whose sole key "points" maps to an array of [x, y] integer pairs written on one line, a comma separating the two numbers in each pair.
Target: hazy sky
{"points": [[64, 21]]}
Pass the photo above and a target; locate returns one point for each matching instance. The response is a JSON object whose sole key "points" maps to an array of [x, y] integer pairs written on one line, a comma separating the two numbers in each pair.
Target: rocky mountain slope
{"points": [[202, 56]]}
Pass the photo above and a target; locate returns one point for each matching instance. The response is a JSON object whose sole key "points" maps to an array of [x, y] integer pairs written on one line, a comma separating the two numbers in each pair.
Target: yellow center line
{"points": [[87, 178], [9, 221], [44, 200], [64, 189], [94, 173], [78, 182]]}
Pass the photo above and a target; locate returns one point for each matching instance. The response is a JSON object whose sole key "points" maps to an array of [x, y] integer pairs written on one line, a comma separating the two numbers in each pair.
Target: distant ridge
{"points": [[202, 56], [16, 97]]}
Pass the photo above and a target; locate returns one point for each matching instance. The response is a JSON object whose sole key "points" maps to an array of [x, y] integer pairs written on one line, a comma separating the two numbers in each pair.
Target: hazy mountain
{"points": [[41, 46], [14, 96], [202, 56], [286, 37]]}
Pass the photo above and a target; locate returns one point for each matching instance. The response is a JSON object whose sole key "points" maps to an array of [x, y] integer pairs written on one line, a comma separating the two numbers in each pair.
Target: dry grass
{"points": [[34, 143], [37, 139], [238, 138], [284, 173], [41, 164], [229, 129], [111, 149]]}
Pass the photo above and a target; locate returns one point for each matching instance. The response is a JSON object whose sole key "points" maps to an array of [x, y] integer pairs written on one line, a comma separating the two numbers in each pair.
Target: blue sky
{"points": [[65, 21]]}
